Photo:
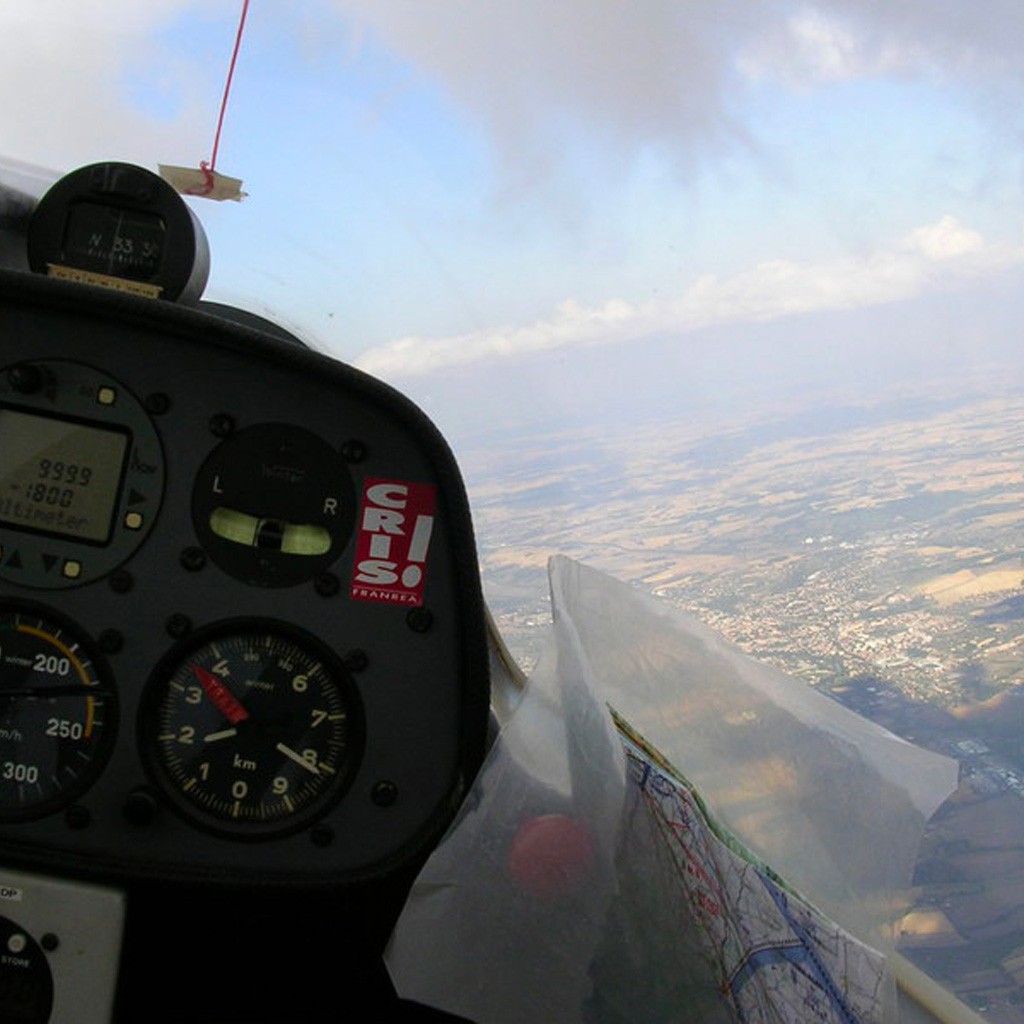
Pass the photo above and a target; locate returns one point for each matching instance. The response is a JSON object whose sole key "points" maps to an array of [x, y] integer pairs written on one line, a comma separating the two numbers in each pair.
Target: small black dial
{"points": [[81, 474], [120, 226], [57, 714], [274, 505], [252, 730]]}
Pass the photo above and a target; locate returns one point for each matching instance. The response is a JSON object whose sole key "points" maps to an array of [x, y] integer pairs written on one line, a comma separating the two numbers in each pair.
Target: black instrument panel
{"points": [[241, 632]]}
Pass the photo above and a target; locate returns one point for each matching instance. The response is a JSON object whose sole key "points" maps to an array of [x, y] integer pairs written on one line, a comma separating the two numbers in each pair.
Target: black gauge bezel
{"points": [[26, 979], [274, 471], [106, 687], [77, 393], [147, 731], [179, 272]]}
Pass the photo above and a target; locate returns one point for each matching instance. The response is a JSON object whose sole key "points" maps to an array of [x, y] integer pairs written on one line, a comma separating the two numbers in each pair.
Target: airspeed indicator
{"points": [[57, 713]]}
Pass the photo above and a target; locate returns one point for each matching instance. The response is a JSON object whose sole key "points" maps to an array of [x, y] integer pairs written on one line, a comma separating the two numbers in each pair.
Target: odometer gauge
{"points": [[57, 714], [251, 730]]}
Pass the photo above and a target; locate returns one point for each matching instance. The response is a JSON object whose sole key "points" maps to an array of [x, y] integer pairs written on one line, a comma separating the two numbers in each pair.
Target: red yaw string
{"points": [[208, 168]]}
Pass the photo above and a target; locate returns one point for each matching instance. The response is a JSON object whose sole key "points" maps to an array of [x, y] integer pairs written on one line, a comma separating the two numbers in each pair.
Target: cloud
{"points": [[939, 255], [70, 73], [946, 240], [539, 78], [664, 76], [814, 46], [534, 74], [941, 38], [672, 77]]}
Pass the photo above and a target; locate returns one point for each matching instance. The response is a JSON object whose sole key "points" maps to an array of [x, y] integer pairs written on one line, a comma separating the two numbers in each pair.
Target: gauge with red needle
{"points": [[220, 696], [251, 730]]}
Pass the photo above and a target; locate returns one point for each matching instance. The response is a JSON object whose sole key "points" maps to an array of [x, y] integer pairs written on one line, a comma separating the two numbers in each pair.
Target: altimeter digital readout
{"points": [[59, 476]]}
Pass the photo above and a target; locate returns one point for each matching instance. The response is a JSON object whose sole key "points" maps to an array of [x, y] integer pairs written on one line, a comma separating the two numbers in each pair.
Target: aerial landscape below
{"points": [[869, 549]]}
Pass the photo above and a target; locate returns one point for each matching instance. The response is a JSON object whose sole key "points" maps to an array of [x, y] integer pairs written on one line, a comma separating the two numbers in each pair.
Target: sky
{"points": [[489, 199]]}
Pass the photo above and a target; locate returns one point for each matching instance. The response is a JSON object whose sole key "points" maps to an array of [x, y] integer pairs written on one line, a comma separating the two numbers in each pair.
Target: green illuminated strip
{"points": [[236, 527], [302, 539], [305, 540]]}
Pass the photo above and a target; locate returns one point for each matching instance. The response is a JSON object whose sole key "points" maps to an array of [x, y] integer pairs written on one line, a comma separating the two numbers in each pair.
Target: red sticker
{"points": [[395, 524]]}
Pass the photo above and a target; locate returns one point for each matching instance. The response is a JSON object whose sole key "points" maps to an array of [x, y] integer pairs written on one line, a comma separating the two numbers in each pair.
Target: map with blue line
{"points": [[778, 960]]}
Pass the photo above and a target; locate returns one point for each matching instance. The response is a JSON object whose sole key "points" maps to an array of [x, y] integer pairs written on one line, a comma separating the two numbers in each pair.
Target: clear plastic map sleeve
{"points": [[609, 869]]}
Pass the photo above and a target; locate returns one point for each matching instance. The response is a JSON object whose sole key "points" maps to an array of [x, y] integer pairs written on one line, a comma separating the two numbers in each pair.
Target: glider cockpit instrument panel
{"points": [[243, 665]]}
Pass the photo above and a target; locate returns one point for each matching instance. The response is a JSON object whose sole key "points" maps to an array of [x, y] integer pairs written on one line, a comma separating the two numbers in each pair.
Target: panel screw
{"points": [[384, 793], [326, 584], [178, 625], [49, 942], [121, 581], [110, 641], [157, 403], [353, 451], [322, 835], [193, 559], [355, 660], [140, 808], [419, 620], [222, 425], [77, 817]]}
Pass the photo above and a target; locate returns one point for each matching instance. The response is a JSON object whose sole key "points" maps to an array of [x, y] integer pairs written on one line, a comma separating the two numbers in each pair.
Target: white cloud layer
{"points": [[69, 73], [815, 46], [669, 76], [665, 76], [538, 77], [939, 255]]}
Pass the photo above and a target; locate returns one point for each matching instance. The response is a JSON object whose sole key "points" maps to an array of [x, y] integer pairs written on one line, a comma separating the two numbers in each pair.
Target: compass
{"points": [[251, 730]]}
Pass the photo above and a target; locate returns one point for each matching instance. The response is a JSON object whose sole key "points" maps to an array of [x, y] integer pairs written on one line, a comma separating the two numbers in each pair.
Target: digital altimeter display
{"points": [[60, 476]]}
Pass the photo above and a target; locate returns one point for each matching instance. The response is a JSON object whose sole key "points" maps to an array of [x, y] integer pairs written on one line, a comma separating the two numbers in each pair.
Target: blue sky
{"points": [[434, 185]]}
